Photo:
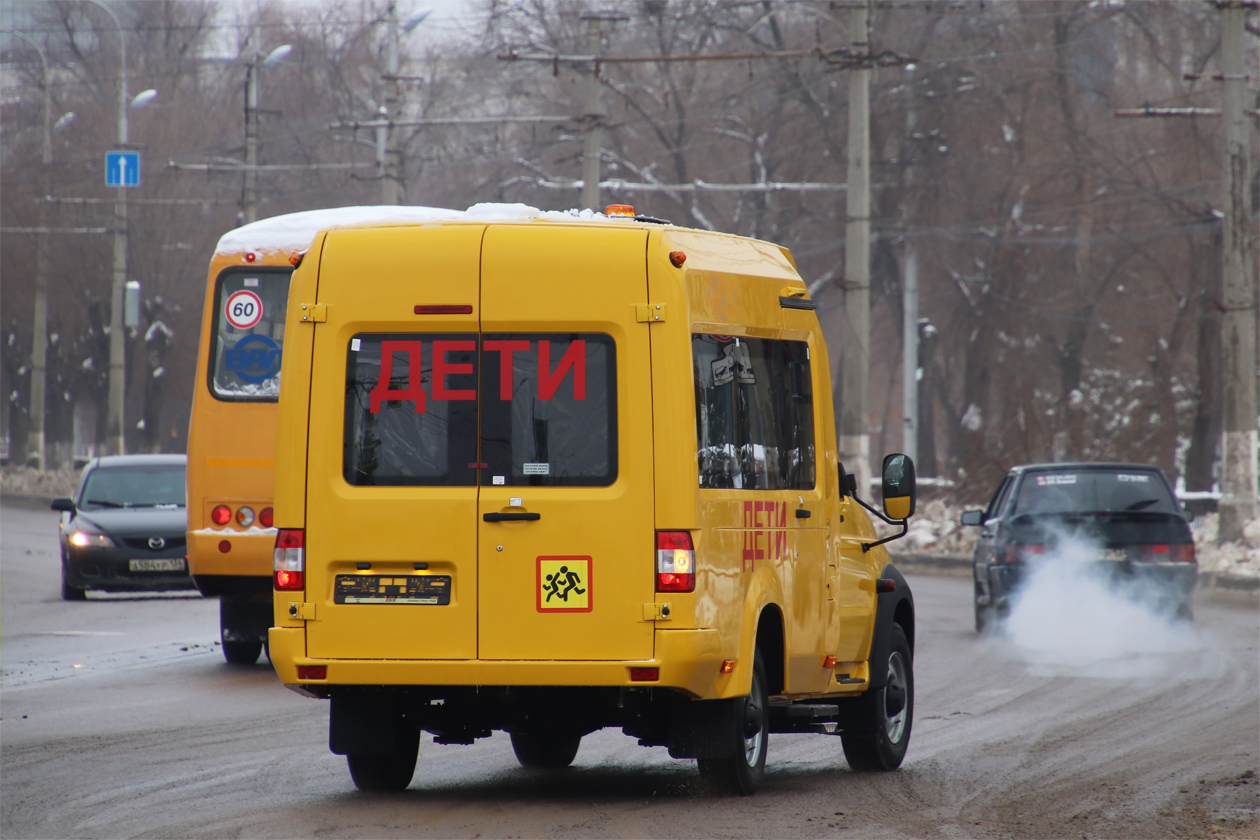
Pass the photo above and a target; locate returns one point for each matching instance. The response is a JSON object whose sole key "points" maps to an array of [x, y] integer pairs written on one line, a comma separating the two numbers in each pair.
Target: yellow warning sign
{"points": [[564, 584]]}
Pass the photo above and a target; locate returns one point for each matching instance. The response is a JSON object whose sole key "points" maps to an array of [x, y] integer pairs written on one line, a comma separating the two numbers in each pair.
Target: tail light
{"points": [[1160, 553], [221, 515], [675, 562], [245, 516], [1016, 553], [290, 562], [265, 517]]}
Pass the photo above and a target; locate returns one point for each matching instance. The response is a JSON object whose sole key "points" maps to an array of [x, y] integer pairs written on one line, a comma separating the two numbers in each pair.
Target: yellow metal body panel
{"points": [[753, 554]]}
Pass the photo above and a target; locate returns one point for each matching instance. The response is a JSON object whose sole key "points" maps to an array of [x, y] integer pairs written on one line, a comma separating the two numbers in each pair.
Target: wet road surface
{"points": [[119, 718]]}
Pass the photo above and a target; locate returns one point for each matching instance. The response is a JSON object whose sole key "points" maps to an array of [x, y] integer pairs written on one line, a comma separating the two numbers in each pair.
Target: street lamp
{"points": [[250, 196], [391, 157]]}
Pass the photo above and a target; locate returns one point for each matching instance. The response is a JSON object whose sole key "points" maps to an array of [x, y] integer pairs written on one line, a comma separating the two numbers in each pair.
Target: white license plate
{"points": [[157, 564]]}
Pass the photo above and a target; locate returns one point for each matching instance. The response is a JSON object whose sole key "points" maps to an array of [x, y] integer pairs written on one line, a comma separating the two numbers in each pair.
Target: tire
{"points": [[982, 617], [744, 770], [543, 751], [387, 772], [879, 742], [68, 592], [241, 653]]}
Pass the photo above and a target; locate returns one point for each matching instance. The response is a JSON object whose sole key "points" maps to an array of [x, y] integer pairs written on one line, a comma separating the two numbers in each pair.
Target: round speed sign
{"points": [[244, 309]]}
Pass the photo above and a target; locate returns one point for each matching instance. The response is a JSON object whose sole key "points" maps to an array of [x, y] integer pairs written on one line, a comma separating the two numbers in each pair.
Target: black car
{"points": [[124, 530], [1125, 515]]}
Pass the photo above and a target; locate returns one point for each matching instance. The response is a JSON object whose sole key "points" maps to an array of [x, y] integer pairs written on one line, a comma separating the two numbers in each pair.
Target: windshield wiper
{"points": [[1142, 503], [103, 503]]}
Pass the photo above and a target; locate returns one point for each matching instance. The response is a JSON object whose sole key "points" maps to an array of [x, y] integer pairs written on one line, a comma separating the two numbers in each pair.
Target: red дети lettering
{"points": [[505, 349], [442, 369], [413, 391], [574, 357]]}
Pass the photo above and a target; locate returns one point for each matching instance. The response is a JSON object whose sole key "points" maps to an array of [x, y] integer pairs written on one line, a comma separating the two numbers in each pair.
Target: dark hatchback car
{"points": [[124, 530], [1123, 517]]}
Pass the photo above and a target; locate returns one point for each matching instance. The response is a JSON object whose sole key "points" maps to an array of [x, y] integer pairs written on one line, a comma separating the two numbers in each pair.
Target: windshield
{"points": [[249, 311], [1093, 491], [135, 486]]}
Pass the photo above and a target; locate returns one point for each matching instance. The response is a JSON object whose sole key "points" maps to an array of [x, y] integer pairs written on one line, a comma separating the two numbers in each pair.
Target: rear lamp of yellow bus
{"points": [[265, 517], [221, 515], [244, 516], [290, 559], [675, 562]]}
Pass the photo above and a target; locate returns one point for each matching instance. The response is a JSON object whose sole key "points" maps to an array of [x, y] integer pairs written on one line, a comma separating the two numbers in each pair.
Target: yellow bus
{"points": [[232, 431]]}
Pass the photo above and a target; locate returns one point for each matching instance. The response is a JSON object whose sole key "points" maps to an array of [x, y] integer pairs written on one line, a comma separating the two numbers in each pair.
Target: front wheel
{"points": [[879, 741], [538, 750], [744, 770], [68, 592], [387, 772]]}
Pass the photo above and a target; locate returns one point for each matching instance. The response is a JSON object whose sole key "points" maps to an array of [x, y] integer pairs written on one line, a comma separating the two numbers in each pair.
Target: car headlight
{"points": [[83, 539]]}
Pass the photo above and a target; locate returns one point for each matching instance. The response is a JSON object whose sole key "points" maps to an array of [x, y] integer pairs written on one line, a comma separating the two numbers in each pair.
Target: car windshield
{"points": [[134, 486], [1093, 491]]}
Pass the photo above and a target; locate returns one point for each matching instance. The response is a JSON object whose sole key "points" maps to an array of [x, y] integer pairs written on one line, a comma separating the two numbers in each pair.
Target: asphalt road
{"points": [[119, 718]]}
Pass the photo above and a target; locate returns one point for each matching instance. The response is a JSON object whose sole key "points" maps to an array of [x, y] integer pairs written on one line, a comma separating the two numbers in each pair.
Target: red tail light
{"points": [[1016, 553], [221, 515], [675, 562], [290, 559], [1160, 553], [265, 517]]}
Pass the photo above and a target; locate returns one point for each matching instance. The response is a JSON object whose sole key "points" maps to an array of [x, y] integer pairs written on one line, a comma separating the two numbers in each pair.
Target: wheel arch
{"points": [[771, 641], [894, 607]]}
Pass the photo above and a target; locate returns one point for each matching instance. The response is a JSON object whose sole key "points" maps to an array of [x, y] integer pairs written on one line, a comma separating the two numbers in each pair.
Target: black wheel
{"points": [[68, 592], [539, 749], [1185, 611], [390, 771], [879, 742], [744, 770], [241, 653], [982, 617]]}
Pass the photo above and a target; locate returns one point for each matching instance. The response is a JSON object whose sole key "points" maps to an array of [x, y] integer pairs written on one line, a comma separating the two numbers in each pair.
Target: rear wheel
{"points": [[241, 653], [982, 616], [744, 770], [879, 741], [540, 750], [387, 772]]}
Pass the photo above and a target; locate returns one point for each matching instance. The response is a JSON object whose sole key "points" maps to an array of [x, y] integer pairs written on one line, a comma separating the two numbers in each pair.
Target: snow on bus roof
{"points": [[294, 231]]}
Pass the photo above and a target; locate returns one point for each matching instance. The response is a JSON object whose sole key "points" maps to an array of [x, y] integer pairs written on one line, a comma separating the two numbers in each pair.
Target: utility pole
{"points": [[249, 196], [593, 119], [390, 157], [854, 375], [39, 331], [910, 353], [1238, 504]]}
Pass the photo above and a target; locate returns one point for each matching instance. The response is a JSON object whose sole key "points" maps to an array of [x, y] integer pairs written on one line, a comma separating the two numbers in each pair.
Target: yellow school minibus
{"points": [[232, 431], [546, 473]]}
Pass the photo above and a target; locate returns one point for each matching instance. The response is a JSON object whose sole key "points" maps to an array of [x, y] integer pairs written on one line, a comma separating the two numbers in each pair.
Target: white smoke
{"points": [[1069, 617]]}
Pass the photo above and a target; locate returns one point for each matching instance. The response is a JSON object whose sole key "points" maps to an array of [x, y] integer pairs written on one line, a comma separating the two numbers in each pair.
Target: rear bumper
{"points": [[248, 553], [1162, 585], [688, 661]]}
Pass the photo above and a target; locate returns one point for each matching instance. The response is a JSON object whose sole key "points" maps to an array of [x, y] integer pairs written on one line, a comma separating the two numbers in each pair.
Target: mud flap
{"points": [[704, 728], [360, 725]]}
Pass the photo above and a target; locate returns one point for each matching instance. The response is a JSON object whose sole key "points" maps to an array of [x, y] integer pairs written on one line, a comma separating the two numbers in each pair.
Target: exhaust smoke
{"points": [[1070, 616]]}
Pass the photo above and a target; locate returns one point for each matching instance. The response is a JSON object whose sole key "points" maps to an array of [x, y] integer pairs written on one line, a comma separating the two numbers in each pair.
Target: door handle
{"points": [[511, 517], [802, 513]]}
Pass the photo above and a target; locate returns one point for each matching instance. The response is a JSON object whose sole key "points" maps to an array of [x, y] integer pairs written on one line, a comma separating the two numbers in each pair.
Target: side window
{"points": [[411, 410], [548, 410], [248, 339], [754, 413], [999, 498]]}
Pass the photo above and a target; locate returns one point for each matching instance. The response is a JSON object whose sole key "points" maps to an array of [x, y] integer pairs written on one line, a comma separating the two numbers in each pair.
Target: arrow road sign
{"points": [[122, 169]]}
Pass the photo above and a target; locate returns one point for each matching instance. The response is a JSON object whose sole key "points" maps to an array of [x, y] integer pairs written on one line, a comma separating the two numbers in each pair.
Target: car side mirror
{"points": [[63, 504], [972, 517], [899, 487], [1187, 513]]}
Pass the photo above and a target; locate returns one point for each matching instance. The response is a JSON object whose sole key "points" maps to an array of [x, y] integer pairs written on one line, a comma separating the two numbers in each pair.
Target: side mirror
{"points": [[899, 487], [1187, 513], [63, 504], [972, 517]]}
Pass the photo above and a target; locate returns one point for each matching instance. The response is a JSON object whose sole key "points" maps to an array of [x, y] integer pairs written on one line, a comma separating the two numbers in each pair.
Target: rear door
{"points": [[565, 522], [391, 540]]}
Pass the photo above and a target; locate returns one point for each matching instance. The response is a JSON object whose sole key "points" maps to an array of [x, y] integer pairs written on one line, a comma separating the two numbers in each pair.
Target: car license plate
{"points": [[393, 589], [157, 564], [1114, 555]]}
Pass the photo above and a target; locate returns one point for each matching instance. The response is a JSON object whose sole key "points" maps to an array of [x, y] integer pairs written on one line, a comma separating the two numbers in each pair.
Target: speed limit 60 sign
{"points": [[244, 309]]}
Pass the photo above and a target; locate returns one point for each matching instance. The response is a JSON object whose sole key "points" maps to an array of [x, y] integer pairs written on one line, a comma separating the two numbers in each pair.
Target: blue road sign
{"points": [[122, 169]]}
